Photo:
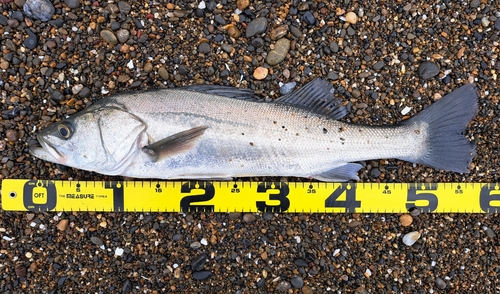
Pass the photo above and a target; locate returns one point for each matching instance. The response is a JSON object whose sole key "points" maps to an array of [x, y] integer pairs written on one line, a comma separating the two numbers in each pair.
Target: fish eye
{"points": [[64, 130]]}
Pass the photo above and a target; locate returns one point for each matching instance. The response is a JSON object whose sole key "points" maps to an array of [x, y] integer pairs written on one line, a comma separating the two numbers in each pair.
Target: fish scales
{"points": [[204, 132]]}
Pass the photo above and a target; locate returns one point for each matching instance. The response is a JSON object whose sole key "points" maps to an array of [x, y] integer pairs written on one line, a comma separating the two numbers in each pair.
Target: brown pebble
{"points": [[109, 37], [2, 145], [63, 225], [170, 6], [249, 217], [405, 220], [351, 17], [260, 73], [233, 31], [162, 71], [242, 4], [11, 135]]}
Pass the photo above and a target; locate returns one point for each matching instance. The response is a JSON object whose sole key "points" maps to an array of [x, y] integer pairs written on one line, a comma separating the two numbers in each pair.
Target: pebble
{"points": [[124, 7], [204, 48], [297, 282], [39, 9], [428, 69], [11, 135], [109, 37], [415, 212], [63, 225], [202, 275], [256, 26], [378, 65], [405, 220], [32, 41], [440, 283], [283, 286], [497, 24], [249, 217], [351, 17], [242, 4], [260, 73], [72, 3], [84, 92], [195, 245], [309, 18], [332, 76], [278, 32], [300, 262], [162, 71], [410, 238], [198, 262], [122, 35], [97, 241], [287, 88], [279, 52], [233, 31]]}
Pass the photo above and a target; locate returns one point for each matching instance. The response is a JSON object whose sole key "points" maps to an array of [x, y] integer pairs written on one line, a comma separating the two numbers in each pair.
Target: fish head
{"points": [[98, 139]]}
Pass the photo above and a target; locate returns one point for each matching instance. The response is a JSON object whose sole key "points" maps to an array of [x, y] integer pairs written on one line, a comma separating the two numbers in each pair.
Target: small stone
{"points": [[77, 88], [405, 220], [124, 7], [410, 238], [72, 3], [297, 282], [278, 32], [11, 135], [97, 241], [242, 4], [309, 18], [260, 73], [279, 52], [428, 69], [490, 233], [351, 17], [234, 215], [20, 270], [4, 64], [256, 26], [233, 31], [497, 24], [287, 88], [202, 275], [440, 283], [378, 65], [375, 172], [39, 9], [300, 262], [198, 262], [334, 46], [415, 212], [267, 216], [332, 76], [249, 217], [195, 245], [32, 41], [283, 286], [119, 251], [63, 224], [109, 37], [162, 71], [122, 35], [148, 67], [204, 48], [84, 93]]}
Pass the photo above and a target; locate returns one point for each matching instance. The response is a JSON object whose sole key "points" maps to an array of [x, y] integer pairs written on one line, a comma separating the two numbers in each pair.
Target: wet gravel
{"points": [[383, 58]]}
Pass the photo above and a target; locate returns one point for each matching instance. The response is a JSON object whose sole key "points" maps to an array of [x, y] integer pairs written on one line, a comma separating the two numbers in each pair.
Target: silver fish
{"points": [[217, 132]]}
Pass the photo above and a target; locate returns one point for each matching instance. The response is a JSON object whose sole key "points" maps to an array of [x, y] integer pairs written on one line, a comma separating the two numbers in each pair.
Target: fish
{"points": [[211, 132]]}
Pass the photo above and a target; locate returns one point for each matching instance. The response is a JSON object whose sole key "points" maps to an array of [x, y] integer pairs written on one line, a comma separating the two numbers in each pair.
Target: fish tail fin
{"points": [[446, 120]]}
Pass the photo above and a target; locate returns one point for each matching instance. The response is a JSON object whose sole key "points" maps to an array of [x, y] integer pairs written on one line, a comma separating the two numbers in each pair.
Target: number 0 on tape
{"points": [[234, 196]]}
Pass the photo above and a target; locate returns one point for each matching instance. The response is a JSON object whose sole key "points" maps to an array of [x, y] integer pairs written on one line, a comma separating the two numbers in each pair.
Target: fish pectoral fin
{"points": [[178, 143], [342, 173]]}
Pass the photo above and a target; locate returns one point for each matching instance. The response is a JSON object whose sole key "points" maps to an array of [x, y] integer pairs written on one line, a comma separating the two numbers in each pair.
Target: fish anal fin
{"points": [[177, 143], [341, 173]]}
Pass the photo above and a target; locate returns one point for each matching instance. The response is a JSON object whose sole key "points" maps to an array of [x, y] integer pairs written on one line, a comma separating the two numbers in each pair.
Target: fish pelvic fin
{"points": [[342, 173], [177, 143], [446, 120]]}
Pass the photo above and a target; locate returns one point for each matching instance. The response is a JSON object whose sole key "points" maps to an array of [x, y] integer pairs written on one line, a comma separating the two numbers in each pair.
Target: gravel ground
{"points": [[381, 56]]}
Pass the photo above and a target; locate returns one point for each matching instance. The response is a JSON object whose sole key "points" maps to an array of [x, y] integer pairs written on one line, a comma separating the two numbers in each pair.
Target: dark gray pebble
{"points": [[497, 24], [204, 48], [297, 282], [440, 283], [227, 48], [257, 42], [219, 19], [427, 70], [490, 233], [333, 76], [334, 47], [127, 286], [177, 237], [84, 93], [296, 32], [124, 7], [256, 26], [72, 3], [283, 286], [39, 9], [378, 65], [13, 23], [375, 172], [97, 241], [32, 41], [267, 216], [202, 275], [300, 262], [309, 18], [198, 262], [3, 20]]}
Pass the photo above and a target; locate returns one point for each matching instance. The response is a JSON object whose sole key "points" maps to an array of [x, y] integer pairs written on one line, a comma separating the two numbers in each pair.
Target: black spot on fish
{"points": [[275, 122], [342, 139], [243, 134], [325, 131], [251, 143], [296, 134]]}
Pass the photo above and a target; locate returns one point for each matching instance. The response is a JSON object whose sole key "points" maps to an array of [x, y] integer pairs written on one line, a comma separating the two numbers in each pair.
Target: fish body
{"points": [[214, 132]]}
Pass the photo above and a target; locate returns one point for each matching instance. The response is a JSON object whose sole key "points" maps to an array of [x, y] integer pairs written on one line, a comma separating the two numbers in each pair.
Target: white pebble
{"points": [[297, 239], [7, 238], [410, 238], [204, 241], [130, 64], [202, 5], [405, 110], [336, 252], [118, 251]]}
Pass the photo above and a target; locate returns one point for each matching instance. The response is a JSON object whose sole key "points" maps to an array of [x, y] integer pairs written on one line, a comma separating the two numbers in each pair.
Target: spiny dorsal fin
{"points": [[316, 96]]}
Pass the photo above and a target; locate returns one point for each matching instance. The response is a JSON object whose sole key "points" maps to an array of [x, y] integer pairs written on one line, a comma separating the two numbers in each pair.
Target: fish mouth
{"points": [[44, 150]]}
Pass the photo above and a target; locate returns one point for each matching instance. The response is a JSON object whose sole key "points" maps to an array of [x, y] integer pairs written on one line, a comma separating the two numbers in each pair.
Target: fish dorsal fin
{"points": [[226, 91], [175, 144], [316, 96]]}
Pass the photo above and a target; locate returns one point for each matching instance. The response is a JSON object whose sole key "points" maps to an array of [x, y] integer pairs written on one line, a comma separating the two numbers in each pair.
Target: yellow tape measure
{"points": [[234, 196]]}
